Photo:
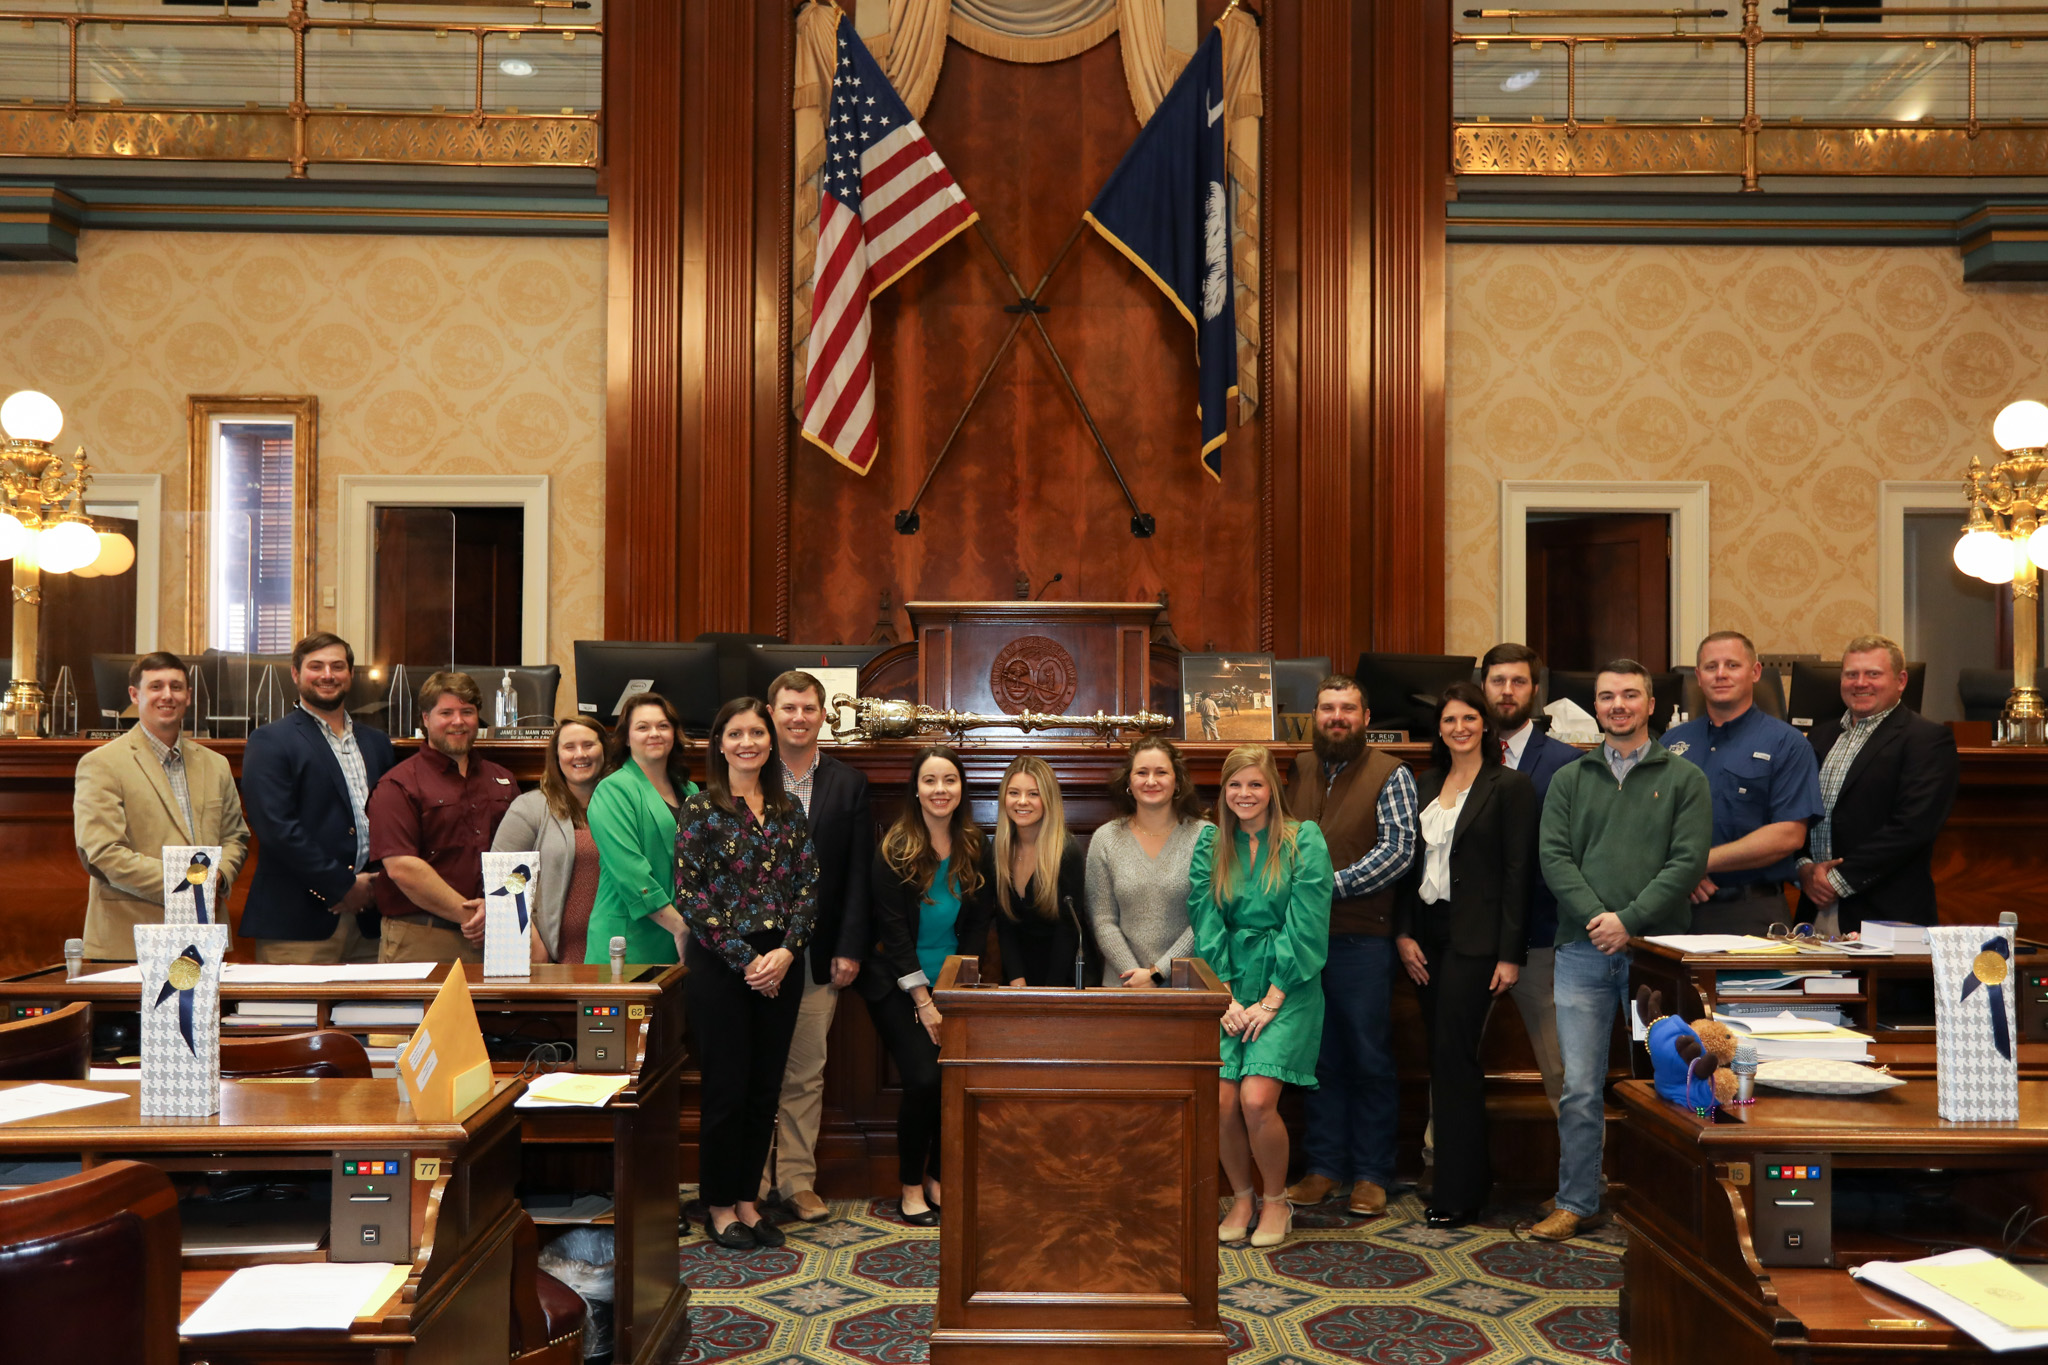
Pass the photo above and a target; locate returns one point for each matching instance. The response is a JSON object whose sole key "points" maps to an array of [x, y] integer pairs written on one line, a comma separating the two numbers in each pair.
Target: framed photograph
{"points": [[1227, 698]]}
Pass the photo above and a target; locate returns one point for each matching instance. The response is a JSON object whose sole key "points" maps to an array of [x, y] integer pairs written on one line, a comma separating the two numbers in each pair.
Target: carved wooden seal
{"points": [[1033, 673]]}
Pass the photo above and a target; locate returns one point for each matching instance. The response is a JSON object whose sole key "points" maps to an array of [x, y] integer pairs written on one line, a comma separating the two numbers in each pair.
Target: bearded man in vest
{"points": [[1364, 803]]}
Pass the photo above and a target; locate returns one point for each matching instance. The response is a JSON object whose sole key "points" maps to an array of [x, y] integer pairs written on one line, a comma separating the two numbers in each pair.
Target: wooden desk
{"points": [[1696, 1292], [1079, 1142], [1687, 981], [629, 1146], [452, 1307]]}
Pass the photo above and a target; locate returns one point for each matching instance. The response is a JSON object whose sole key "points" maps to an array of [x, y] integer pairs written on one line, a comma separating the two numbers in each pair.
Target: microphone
{"points": [[618, 956], [1048, 583], [74, 958], [1080, 946], [1745, 1071]]}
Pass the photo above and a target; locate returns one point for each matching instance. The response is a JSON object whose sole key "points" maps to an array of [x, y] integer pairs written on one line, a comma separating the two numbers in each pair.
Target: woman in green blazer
{"points": [[633, 823]]}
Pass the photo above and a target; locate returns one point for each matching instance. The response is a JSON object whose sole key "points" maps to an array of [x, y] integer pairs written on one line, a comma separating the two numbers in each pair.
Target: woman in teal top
{"points": [[1259, 902], [633, 824], [938, 921]]}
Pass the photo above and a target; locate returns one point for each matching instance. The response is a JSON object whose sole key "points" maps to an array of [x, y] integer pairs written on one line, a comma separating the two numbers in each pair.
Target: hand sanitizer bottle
{"points": [[508, 701]]}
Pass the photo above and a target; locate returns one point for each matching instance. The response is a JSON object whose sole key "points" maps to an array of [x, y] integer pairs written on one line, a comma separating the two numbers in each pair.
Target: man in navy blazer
{"points": [[1508, 673], [306, 782]]}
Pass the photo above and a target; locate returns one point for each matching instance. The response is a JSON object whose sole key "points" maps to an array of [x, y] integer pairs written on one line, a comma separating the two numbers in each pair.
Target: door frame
{"points": [[1897, 499], [146, 491], [1685, 502], [361, 495]]}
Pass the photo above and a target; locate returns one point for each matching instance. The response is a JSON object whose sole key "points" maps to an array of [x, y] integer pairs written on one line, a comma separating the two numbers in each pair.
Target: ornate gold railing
{"points": [[1752, 145], [296, 133]]}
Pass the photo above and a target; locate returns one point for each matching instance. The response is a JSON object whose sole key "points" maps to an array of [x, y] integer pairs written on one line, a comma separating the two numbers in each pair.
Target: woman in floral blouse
{"points": [[746, 885]]}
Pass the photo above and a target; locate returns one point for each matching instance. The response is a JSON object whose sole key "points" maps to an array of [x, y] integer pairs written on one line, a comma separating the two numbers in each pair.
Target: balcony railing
{"points": [[1819, 90], [280, 84]]}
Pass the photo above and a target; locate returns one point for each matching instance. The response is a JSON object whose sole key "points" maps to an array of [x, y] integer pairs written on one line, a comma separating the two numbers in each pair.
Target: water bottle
{"points": [[74, 958], [618, 957], [508, 701], [1745, 1071]]}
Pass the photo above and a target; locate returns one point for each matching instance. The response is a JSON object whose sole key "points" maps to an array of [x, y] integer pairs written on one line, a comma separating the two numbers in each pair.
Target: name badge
{"points": [[1759, 754], [506, 781]]}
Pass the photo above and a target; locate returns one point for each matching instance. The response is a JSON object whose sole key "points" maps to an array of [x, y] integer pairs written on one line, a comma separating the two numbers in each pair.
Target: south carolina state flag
{"points": [[1166, 208]]}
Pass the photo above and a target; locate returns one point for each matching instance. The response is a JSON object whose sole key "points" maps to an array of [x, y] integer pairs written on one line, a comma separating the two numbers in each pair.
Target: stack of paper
{"points": [[367, 1014], [272, 1013], [1730, 984], [1767, 1006], [1994, 1301], [34, 1101], [289, 974], [1719, 943], [1786, 1037], [559, 1089], [1897, 935], [315, 1295]]}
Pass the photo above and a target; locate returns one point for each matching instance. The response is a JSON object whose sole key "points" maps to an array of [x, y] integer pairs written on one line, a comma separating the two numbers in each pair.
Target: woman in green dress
{"points": [[1259, 900], [633, 821]]}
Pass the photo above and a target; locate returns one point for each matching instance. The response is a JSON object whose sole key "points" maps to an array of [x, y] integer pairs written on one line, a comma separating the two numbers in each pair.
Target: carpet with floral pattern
{"points": [[857, 1290]]}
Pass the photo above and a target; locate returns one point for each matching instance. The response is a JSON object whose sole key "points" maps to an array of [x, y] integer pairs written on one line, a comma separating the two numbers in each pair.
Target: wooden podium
{"points": [[1079, 1156], [1056, 658]]}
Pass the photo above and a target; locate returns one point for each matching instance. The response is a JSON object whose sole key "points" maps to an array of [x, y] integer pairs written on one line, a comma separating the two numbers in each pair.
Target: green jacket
{"points": [[1637, 848], [636, 857]]}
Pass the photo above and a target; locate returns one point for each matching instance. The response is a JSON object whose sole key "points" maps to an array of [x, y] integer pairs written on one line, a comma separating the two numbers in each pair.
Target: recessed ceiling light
{"points": [[1521, 80], [516, 66]]}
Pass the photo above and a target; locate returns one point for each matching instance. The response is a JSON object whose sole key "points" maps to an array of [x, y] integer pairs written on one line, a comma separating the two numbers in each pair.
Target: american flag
{"points": [[888, 202]]}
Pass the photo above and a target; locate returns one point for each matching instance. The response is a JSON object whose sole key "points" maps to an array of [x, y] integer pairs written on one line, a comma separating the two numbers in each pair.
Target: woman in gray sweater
{"points": [[1138, 866]]}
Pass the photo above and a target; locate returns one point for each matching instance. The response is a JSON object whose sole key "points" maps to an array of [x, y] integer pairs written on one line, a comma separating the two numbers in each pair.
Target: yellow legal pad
{"points": [[2017, 1300]]}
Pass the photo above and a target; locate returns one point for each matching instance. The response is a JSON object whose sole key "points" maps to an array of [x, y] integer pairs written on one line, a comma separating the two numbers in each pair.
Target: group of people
{"points": [[1513, 865]]}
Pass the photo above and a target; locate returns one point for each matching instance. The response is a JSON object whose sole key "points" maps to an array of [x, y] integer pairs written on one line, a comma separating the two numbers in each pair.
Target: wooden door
{"points": [[1599, 589], [449, 585]]}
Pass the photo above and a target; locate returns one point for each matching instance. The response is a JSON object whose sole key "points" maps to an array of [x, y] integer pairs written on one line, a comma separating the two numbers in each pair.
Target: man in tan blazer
{"points": [[141, 792]]}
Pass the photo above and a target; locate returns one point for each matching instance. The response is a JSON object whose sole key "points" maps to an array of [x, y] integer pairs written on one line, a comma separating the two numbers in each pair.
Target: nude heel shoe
{"points": [[1228, 1233], [1273, 1239]]}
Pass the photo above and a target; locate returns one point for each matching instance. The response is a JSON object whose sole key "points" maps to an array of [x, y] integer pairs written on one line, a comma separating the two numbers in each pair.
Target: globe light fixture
{"points": [[2006, 541], [43, 528]]}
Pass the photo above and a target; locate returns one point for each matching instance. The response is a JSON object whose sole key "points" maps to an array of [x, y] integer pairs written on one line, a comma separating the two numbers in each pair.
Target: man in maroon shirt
{"points": [[432, 818]]}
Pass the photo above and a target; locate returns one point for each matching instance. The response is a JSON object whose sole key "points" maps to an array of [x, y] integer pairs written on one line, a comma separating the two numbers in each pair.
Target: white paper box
{"points": [[511, 894], [192, 884], [180, 965], [1976, 1027]]}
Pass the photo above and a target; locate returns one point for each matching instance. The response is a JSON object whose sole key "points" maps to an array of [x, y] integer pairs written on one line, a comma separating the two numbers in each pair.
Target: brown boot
{"points": [[1561, 1225], [1310, 1189], [1368, 1199]]}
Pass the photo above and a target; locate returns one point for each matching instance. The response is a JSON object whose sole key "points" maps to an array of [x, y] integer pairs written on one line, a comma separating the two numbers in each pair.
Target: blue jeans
{"points": [[1590, 987], [1352, 1112]]}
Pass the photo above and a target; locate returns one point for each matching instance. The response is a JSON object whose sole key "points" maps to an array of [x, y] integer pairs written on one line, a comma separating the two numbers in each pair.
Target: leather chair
{"points": [[548, 1316], [53, 1047], [322, 1052], [91, 1264]]}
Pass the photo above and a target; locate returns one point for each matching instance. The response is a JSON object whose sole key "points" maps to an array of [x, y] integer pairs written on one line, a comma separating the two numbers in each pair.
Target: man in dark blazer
{"points": [[835, 801], [306, 782], [1887, 780], [1508, 673]]}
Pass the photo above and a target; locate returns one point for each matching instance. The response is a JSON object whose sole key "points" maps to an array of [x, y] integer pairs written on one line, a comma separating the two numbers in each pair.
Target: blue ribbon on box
{"points": [[1990, 969]]}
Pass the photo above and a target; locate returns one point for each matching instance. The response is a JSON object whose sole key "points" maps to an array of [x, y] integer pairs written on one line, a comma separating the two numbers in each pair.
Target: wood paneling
{"points": [[1326, 535]]}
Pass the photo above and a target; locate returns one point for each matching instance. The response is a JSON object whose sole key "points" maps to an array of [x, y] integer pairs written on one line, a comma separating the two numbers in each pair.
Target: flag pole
{"points": [[1142, 524]]}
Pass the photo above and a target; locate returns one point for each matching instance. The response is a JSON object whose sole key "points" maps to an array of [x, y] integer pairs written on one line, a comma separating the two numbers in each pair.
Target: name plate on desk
{"points": [[180, 969], [524, 732], [100, 734]]}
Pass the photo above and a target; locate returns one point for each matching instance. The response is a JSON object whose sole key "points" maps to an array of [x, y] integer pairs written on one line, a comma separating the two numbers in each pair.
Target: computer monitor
{"points": [[687, 674], [766, 663], [1294, 683], [110, 693], [1402, 690], [1816, 691]]}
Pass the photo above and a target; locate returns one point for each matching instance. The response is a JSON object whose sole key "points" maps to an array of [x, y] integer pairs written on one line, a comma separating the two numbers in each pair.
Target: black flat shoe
{"points": [[766, 1234], [737, 1235], [929, 1218], [1449, 1218]]}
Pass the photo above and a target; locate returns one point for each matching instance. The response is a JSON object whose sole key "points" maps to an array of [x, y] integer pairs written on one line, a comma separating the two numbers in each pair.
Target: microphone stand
{"points": [[1080, 946]]}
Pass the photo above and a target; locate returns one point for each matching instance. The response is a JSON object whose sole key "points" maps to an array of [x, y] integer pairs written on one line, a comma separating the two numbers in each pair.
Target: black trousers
{"points": [[1455, 1004], [742, 1044], [917, 1059]]}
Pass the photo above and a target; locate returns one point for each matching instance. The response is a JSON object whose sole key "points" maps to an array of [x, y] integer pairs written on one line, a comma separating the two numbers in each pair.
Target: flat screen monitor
{"points": [[766, 663], [1816, 691], [607, 671], [110, 693], [1294, 683], [1402, 690]]}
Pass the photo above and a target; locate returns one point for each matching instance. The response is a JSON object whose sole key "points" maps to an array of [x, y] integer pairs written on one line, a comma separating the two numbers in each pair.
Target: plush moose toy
{"points": [[1690, 1062]]}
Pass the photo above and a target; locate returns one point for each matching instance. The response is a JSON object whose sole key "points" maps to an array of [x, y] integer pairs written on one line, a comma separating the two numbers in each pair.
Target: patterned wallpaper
{"points": [[429, 355], [1793, 380]]}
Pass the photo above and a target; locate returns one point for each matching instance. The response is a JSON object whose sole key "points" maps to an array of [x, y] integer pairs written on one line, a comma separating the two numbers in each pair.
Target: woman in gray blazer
{"points": [[551, 821]]}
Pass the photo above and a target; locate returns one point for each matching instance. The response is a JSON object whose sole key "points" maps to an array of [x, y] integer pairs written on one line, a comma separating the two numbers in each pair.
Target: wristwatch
{"points": [[1158, 977]]}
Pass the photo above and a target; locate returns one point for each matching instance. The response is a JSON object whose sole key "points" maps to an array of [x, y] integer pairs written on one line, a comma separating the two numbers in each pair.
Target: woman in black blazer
{"points": [[1039, 876], [1458, 914], [930, 900]]}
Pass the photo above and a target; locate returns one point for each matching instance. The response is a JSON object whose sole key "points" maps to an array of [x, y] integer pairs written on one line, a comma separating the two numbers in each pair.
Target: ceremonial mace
{"points": [[874, 718]]}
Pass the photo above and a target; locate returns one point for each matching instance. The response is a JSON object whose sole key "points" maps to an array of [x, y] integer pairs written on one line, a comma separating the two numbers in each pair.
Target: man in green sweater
{"points": [[1626, 831]]}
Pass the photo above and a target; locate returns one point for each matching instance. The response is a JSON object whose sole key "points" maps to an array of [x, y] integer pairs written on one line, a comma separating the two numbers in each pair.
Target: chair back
{"points": [[91, 1262], [548, 1317], [322, 1052], [53, 1047]]}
